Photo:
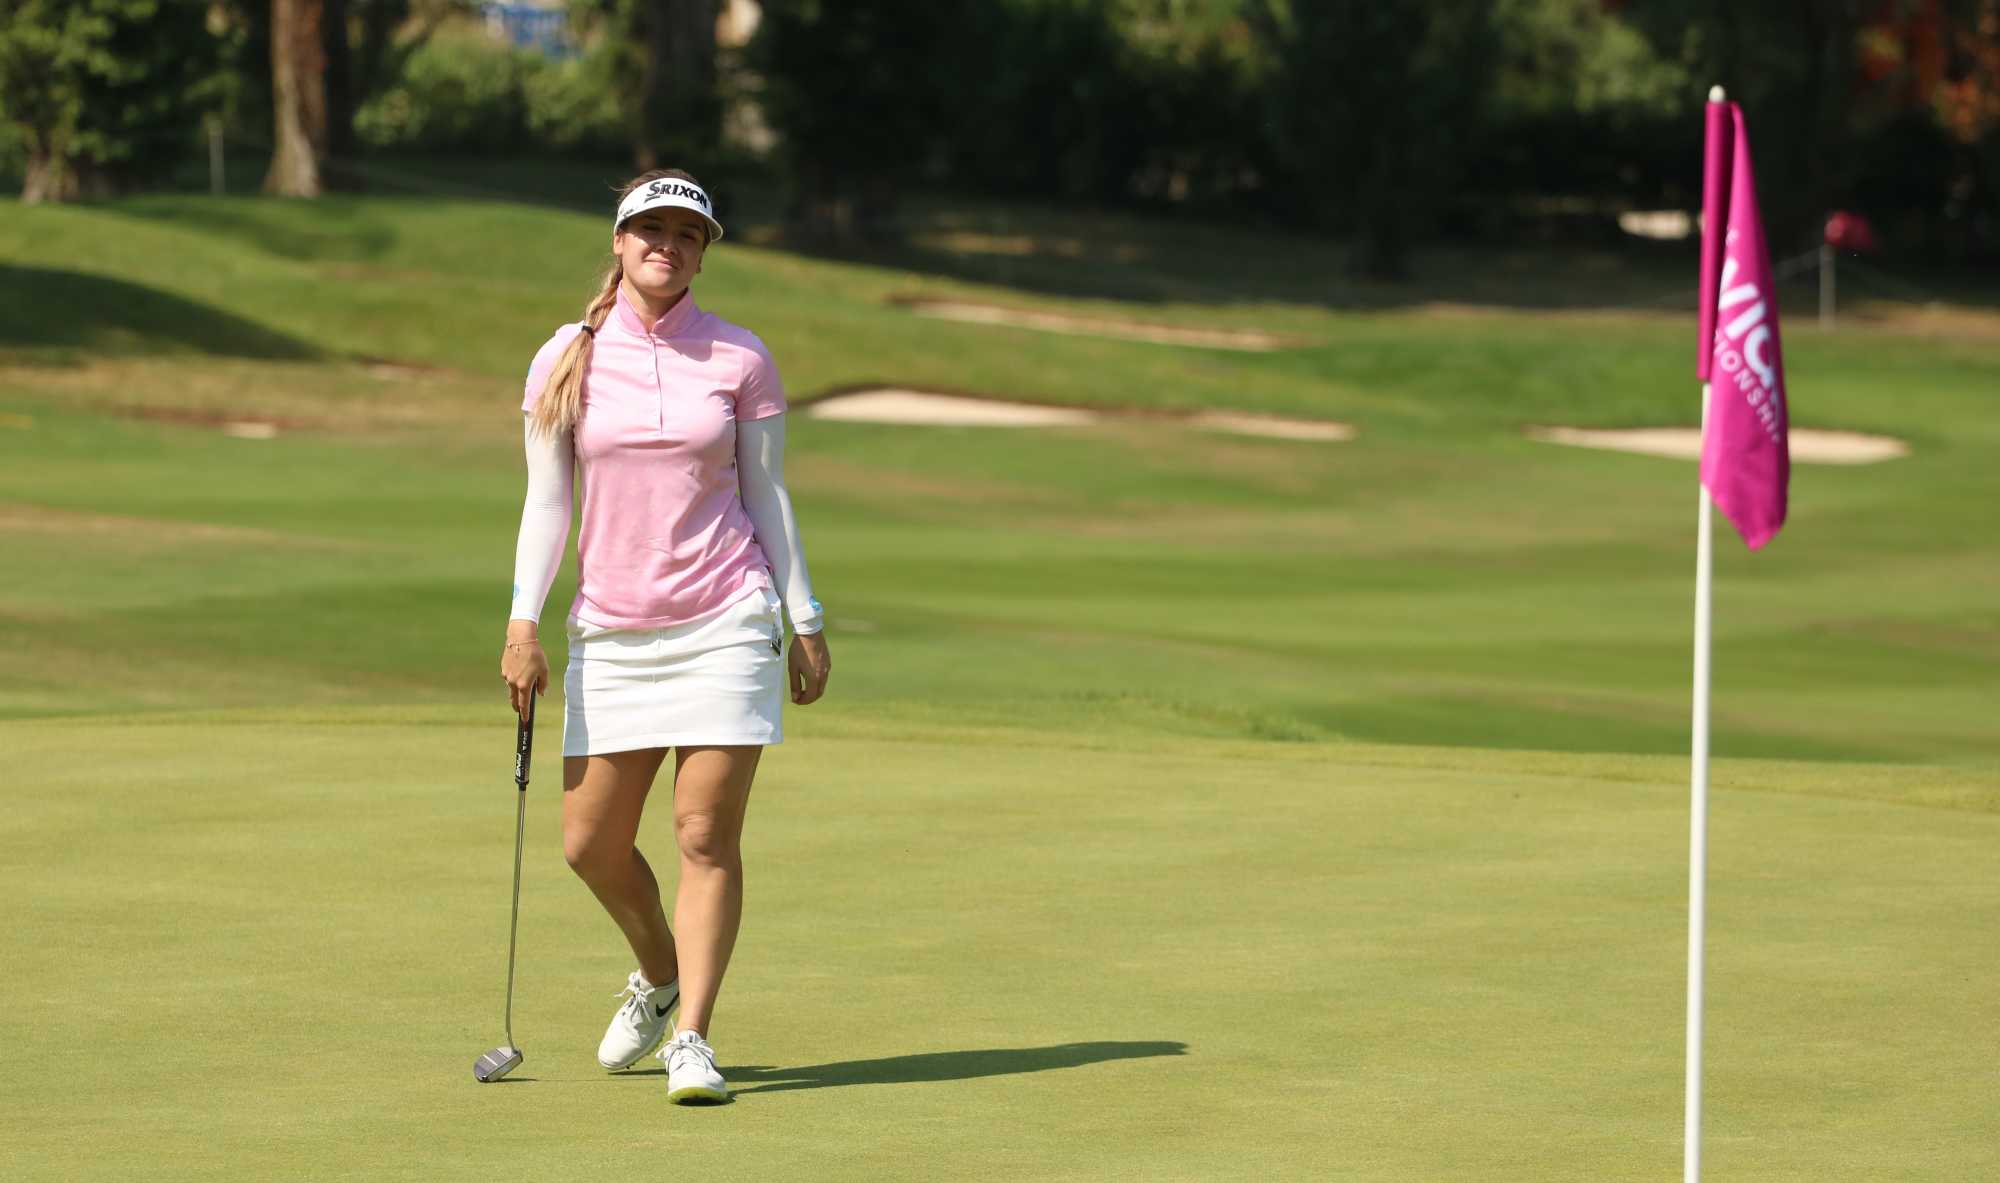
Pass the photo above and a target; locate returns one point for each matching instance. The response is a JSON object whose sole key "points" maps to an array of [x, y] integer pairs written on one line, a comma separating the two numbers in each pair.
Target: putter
{"points": [[504, 1059]]}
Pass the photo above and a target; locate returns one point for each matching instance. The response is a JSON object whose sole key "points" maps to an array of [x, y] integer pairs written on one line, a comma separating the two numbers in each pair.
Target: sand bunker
{"points": [[942, 410], [950, 410], [1250, 340], [261, 428], [1808, 445], [1274, 427]]}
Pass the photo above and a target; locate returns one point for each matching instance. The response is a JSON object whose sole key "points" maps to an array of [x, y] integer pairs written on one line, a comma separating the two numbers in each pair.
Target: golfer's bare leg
{"points": [[603, 797], [711, 795]]}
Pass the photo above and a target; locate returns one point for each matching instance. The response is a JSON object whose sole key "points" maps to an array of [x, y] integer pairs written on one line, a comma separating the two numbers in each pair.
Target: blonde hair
{"points": [[561, 401]]}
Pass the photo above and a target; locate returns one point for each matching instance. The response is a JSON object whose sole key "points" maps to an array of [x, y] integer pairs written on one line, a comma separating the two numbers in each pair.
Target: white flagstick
{"points": [[1698, 821]]}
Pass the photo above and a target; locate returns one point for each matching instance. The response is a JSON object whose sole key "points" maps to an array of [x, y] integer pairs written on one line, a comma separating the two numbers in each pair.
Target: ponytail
{"points": [[561, 402]]}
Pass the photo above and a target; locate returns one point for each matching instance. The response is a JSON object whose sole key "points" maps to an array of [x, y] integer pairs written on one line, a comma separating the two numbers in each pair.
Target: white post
{"points": [[1698, 823], [215, 155], [1826, 254]]}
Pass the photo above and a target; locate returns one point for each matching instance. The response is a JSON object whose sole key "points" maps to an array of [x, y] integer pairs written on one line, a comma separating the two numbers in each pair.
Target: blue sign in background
{"points": [[528, 26]]}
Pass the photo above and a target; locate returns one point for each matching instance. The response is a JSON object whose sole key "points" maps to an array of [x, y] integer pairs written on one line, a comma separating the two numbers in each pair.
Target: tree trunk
{"points": [[49, 179], [1382, 201], [689, 53], [1826, 170], [676, 108], [298, 98], [53, 178], [379, 19], [339, 82], [650, 37]]}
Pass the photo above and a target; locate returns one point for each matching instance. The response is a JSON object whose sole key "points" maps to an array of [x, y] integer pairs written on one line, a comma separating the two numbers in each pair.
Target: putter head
{"points": [[496, 1064]]}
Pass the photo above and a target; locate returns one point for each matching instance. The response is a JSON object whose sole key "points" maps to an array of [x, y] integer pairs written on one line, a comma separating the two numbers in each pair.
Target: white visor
{"points": [[668, 191]]}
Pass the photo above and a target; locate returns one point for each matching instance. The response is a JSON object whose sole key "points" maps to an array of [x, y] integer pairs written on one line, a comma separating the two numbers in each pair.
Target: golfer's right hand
{"points": [[525, 669]]}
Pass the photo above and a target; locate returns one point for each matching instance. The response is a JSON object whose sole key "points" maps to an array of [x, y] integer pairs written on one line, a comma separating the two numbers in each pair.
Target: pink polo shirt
{"points": [[665, 539]]}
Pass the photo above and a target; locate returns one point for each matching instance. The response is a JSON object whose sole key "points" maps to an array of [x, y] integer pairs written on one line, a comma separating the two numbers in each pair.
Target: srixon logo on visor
{"points": [[676, 189]]}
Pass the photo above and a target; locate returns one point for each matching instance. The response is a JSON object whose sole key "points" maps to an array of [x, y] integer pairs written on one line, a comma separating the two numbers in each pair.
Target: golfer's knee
{"points": [[706, 841], [595, 857]]}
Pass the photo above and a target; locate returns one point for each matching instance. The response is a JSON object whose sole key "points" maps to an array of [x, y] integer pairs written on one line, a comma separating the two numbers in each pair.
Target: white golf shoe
{"points": [[691, 1074], [640, 1023]]}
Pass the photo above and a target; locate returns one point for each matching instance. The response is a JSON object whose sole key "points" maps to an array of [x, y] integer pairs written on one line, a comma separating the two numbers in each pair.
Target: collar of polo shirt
{"points": [[670, 325]]}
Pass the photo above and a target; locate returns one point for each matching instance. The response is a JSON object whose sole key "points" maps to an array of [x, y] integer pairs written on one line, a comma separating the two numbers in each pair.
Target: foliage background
{"points": [[1393, 124]]}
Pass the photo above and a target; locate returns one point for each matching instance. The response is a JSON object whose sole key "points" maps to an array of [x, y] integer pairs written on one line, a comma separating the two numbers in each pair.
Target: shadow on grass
{"points": [[1069, 251], [575, 185], [1156, 259], [1150, 258], [343, 228], [48, 308], [936, 1066]]}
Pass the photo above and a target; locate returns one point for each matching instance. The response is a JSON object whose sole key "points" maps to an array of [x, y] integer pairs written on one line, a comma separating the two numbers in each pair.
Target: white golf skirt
{"points": [[718, 681]]}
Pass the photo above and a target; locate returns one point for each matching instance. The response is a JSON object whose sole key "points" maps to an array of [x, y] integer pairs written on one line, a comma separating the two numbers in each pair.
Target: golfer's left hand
{"points": [[808, 665]]}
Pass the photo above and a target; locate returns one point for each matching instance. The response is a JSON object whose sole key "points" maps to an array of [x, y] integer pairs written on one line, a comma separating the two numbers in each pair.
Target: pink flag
{"points": [[1745, 459]]}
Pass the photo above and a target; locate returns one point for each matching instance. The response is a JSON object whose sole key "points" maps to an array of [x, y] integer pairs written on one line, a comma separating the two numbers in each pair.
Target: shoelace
{"points": [[694, 1047], [635, 1006]]}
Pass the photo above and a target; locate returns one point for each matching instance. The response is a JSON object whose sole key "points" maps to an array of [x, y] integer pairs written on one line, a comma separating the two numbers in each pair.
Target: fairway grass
{"points": [[1183, 806], [269, 945]]}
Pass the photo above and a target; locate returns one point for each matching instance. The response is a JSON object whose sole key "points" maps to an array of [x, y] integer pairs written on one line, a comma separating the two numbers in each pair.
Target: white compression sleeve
{"points": [[760, 475], [544, 520]]}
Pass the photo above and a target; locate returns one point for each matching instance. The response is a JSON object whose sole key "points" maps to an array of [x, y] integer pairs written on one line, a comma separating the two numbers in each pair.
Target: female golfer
{"points": [[687, 559]]}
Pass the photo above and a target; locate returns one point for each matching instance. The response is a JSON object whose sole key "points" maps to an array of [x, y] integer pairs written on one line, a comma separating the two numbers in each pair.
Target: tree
{"points": [[1968, 103], [1373, 108], [1928, 168], [104, 94], [662, 55], [298, 98], [1049, 64], [340, 101], [678, 102], [858, 92], [392, 32], [1583, 106], [1793, 68]]}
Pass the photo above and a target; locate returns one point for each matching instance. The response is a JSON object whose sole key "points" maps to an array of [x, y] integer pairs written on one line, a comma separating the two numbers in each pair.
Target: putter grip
{"points": [[524, 745]]}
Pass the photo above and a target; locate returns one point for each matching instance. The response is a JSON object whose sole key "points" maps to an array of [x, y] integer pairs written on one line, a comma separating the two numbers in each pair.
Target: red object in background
{"points": [[1851, 232]]}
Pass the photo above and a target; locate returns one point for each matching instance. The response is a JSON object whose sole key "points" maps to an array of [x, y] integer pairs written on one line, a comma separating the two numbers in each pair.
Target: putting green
{"points": [[269, 945]]}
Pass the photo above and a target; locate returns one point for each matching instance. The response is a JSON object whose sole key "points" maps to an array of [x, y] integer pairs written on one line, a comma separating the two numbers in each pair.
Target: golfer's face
{"points": [[661, 249]]}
